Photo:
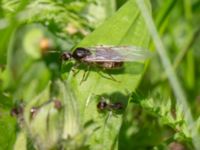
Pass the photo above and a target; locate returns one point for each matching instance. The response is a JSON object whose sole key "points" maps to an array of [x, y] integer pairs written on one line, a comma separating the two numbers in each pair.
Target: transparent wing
{"points": [[117, 53]]}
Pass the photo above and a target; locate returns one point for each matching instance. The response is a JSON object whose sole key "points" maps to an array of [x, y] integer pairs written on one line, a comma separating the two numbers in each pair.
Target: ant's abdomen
{"points": [[110, 65]]}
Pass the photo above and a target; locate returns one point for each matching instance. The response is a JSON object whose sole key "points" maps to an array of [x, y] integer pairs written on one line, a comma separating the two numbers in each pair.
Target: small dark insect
{"points": [[103, 105], [107, 57]]}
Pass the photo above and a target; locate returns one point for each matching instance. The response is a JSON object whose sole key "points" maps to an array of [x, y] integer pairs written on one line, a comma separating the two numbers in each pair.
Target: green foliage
{"points": [[44, 105], [128, 33]]}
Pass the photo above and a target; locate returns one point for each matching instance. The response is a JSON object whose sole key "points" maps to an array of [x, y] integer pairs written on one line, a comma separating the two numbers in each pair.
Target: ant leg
{"points": [[100, 73], [113, 78], [75, 70], [108, 118], [83, 78], [110, 77], [85, 75]]}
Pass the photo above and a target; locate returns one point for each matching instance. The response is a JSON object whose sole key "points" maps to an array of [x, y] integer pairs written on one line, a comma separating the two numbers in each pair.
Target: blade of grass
{"points": [[190, 70], [164, 12], [178, 92], [190, 57], [181, 55], [188, 9]]}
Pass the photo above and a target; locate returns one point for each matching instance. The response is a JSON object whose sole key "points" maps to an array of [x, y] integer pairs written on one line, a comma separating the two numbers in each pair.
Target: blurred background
{"points": [[30, 29]]}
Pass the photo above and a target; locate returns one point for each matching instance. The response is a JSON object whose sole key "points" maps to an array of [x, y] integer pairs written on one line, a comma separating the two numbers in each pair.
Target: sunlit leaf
{"points": [[126, 27]]}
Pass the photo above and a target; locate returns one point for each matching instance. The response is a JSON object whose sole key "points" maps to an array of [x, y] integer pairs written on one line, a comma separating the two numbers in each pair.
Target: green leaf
{"points": [[20, 143], [99, 11], [126, 27], [5, 41], [7, 129]]}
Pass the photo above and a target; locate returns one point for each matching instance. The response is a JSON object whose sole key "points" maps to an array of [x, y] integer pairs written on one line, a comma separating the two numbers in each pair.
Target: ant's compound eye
{"points": [[80, 53], [102, 105], [66, 56]]}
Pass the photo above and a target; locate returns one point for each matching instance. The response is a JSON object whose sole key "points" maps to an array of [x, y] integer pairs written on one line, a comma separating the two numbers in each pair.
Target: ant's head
{"points": [[102, 105], [66, 56], [80, 53]]}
